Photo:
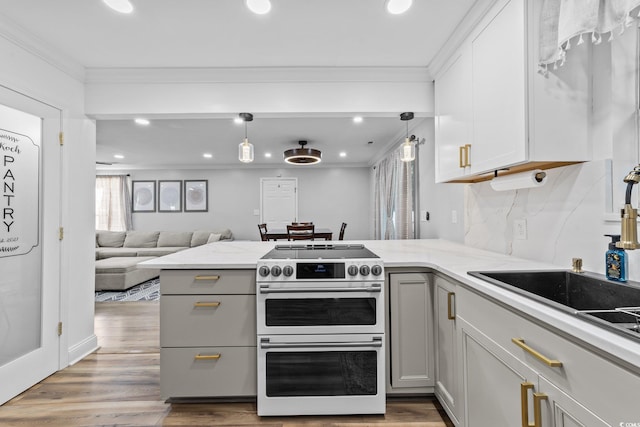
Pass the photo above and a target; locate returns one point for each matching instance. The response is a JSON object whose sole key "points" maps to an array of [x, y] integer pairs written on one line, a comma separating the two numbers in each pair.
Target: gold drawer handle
{"points": [[544, 359], [207, 304], [461, 155], [467, 151], [537, 408], [450, 313], [207, 277], [524, 402], [208, 356]]}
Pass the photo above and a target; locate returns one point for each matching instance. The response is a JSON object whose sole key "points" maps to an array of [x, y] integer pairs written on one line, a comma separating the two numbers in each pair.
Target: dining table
{"points": [[281, 234]]}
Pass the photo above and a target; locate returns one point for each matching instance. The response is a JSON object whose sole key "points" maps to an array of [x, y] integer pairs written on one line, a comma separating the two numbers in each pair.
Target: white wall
{"points": [[36, 77], [326, 196]]}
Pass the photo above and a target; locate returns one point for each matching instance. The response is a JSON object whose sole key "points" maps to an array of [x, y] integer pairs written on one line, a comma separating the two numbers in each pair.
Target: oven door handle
{"points": [[265, 289], [265, 343]]}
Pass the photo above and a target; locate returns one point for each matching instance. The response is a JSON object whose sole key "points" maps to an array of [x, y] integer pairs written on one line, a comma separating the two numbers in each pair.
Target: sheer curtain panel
{"points": [[113, 203]]}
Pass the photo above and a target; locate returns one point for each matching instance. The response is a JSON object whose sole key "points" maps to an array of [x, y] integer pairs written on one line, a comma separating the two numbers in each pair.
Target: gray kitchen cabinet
{"points": [[509, 360], [447, 356], [410, 365], [495, 111], [207, 333]]}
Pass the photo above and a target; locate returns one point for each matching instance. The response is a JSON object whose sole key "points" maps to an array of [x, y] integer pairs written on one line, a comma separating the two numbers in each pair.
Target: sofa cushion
{"points": [[141, 239], [199, 238], [111, 239], [118, 264], [214, 237], [166, 250], [175, 238], [225, 234], [102, 253]]}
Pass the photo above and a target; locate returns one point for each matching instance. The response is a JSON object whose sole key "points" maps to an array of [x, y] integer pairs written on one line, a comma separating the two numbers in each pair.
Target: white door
{"points": [[278, 202], [29, 245]]}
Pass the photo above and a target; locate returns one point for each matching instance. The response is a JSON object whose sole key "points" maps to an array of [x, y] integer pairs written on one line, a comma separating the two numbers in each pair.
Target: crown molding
{"points": [[463, 30], [25, 40], [256, 75]]}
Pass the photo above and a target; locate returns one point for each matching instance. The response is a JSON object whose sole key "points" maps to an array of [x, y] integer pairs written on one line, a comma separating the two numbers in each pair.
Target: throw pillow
{"points": [[111, 239], [214, 237]]}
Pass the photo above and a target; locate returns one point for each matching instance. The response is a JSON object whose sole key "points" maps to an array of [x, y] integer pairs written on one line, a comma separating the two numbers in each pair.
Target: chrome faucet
{"points": [[629, 216]]}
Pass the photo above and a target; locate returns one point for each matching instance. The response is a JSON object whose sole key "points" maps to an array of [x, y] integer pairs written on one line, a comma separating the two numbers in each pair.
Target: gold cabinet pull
{"points": [[207, 356], [207, 277], [462, 149], [524, 402], [467, 151], [450, 312], [207, 304], [544, 359], [537, 408]]}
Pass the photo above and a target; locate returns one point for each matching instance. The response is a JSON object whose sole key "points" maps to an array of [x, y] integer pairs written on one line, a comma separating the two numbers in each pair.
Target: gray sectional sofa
{"points": [[119, 252]]}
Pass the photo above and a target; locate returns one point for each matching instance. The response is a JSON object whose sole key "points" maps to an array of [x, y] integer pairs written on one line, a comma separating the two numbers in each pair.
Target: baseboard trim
{"points": [[82, 349]]}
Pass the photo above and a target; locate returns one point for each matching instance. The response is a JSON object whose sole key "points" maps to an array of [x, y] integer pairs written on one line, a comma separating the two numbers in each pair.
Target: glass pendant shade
{"points": [[245, 151], [408, 151]]}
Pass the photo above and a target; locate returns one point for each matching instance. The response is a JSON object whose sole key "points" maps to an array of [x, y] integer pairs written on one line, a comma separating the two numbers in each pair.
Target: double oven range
{"points": [[320, 311]]}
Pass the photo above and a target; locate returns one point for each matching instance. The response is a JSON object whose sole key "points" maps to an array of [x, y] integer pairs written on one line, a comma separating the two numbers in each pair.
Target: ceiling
{"points": [[223, 33]]}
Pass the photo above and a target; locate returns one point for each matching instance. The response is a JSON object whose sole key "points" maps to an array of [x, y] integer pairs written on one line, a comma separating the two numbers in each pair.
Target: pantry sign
{"points": [[19, 194]]}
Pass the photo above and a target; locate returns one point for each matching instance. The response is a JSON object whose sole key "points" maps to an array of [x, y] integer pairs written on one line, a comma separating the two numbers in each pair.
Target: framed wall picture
{"points": [[196, 195], [169, 196], [144, 196]]}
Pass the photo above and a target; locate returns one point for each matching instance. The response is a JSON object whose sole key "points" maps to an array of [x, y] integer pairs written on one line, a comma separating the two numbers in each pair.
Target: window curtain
{"points": [[394, 189], [113, 203], [567, 22]]}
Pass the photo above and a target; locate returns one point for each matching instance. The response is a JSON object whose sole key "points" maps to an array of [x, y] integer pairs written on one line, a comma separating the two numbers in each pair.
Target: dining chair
{"points": [[263, 232], [300, 232], [341, 236]]}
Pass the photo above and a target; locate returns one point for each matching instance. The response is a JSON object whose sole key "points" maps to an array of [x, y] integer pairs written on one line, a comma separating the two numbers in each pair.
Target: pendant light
{"points": [[245, 149], [408, 149], [302, 155]]}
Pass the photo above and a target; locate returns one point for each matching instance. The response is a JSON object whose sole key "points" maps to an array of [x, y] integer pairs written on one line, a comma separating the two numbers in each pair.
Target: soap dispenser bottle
{"points": [[616, 260]]}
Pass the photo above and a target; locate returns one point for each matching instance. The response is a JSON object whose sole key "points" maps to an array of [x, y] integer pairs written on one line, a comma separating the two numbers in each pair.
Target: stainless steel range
{"points": [[320, 331]]}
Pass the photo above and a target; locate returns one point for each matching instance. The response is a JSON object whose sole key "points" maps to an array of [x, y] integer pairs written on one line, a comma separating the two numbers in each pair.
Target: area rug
{"points": [[145, 291]]}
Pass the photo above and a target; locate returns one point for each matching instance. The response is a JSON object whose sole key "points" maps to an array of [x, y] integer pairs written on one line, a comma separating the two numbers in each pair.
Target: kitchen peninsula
{"points": [[474, 323]]}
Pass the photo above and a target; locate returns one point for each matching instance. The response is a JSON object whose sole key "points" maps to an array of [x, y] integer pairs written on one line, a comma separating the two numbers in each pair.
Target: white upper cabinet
{"points": [[495, 111]]}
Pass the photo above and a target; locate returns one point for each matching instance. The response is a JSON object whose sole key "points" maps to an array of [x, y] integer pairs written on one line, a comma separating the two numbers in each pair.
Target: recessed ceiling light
{"points": [[267, 155], [357, 119], [396, 7], [118, 156], [207, 155], [343, 154], [141, 121], [238, 120], [122, 6], [259, 7]]}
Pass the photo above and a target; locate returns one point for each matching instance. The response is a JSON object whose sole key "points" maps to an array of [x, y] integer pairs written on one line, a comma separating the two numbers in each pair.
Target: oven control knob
{"points": [[352, 270], [276, 271], [264, 271], [287, 270], [364, 270], [376, 270]]}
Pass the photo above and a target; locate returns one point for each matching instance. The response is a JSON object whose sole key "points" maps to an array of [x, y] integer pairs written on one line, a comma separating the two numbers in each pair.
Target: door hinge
{"points": [[61, 233], [59, 328], [61, 138]]}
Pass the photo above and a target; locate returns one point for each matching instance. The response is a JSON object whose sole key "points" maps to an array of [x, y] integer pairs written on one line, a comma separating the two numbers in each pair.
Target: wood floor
{"points": [[119, 385]]}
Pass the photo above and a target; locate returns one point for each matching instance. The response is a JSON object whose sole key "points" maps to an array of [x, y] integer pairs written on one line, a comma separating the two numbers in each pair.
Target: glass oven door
{"points": [[305, 375], [310, 310]]}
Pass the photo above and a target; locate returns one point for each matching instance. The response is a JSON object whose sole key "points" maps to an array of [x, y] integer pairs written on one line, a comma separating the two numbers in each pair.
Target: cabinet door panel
{"points": [[447, 361], [492, 381], [498, 64], [411, 330], [453, 116], [565, 411]]}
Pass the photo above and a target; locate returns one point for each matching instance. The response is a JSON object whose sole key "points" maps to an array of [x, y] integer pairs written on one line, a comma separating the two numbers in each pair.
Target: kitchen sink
{"points": [[609, 304]]}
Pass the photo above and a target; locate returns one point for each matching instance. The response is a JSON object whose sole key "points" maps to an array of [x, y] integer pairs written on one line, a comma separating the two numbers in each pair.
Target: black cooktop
{"points": [[319, 251]]}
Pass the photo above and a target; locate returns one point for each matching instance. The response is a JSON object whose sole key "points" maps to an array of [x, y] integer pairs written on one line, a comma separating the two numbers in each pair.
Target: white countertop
{"points": [[451, 259]]}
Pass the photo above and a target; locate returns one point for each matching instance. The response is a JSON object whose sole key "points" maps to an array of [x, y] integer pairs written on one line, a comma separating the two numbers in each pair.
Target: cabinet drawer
{"points": [[187, 372], [586, 376], [207, 320], [189, 282]]}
